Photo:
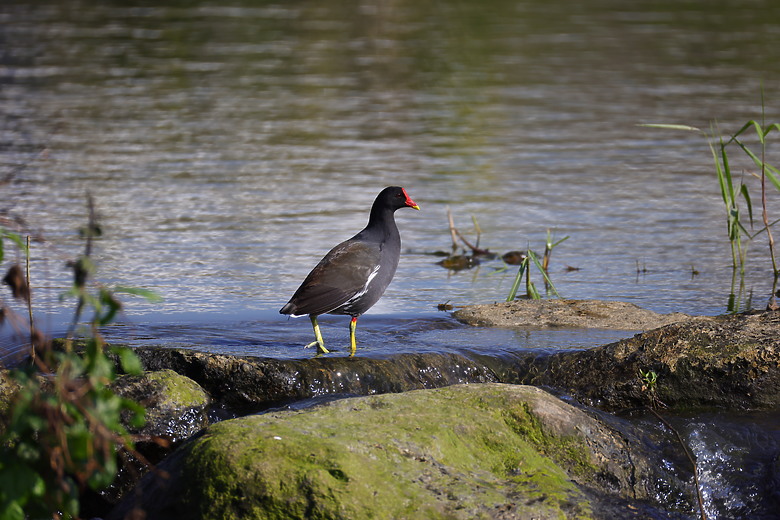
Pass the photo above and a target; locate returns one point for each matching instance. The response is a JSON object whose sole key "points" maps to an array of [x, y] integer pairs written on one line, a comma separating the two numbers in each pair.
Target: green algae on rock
{"points": [[461, 452], [176, 406]]}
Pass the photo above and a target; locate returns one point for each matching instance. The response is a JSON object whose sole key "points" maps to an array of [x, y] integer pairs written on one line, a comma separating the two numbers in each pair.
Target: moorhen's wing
{"points": [[343, 273]]}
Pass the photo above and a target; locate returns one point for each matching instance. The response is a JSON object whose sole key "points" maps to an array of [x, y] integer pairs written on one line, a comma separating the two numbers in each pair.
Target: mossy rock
{"points": [[247, 384], [462, 452], [176, 406]]}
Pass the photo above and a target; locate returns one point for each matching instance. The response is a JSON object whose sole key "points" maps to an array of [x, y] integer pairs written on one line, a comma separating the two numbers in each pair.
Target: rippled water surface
{"points": [[228, 147]]}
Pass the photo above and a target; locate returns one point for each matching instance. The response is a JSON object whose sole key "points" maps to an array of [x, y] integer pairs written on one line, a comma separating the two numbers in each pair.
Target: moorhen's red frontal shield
{"points": [[352, 277]]}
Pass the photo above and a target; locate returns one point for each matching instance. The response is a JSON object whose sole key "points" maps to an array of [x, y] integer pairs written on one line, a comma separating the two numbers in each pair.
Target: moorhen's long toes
{"points": [[352, 277]]}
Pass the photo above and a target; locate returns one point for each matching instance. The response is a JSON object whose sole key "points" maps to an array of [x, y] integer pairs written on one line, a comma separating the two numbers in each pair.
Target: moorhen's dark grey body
{"points": [[352, 277]]}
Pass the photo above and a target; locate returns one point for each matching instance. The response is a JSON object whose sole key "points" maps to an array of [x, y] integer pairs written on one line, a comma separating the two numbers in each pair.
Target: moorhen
{"points": [[354, 274]]}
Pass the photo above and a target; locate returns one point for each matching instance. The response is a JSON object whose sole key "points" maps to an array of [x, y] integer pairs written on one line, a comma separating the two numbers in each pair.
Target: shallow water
{"points": [[737, 459], [229, 147]]}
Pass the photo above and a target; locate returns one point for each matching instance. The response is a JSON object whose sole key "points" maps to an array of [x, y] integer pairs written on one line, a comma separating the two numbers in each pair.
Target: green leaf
{"points": [[19, 482], [16, 239], [111, 306], [518, 280], [129, 362], [151, 296], [667, 126], [138, 417], [744, 191], [533, 257], [752, 123], [12, 511], [773, 175]]}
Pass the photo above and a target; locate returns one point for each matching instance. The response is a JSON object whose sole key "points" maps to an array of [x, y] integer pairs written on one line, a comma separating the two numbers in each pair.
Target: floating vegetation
{"points": [[466, 254]]}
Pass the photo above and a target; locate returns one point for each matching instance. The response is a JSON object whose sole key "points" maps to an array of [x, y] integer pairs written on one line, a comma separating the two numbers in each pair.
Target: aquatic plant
{"points": [[730, 192], [66, 425], [530, 289], [457, 262], [737, 228], [543, 266]]}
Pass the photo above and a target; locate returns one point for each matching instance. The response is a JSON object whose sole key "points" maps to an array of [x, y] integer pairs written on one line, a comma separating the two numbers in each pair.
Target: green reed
{"points": [[525, 269], [734, 189]]}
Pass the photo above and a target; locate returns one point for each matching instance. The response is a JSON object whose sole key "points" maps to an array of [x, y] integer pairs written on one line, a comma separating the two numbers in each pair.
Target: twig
{"points": [[690, 459], [29, 303], [81, 267], [453, 231], [457, 234]]}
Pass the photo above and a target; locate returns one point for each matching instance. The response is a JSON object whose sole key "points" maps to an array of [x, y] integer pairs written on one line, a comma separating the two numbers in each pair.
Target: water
{"points": [[229, 147], [737, 457]]}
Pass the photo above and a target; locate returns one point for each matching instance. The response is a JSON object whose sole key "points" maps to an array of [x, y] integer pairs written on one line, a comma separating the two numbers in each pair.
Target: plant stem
{"points": [[690, 459], [29, 302]]}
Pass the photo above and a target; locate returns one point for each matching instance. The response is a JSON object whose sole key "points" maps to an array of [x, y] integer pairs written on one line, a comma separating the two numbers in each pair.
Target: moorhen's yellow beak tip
{"points": [[415, 207]]}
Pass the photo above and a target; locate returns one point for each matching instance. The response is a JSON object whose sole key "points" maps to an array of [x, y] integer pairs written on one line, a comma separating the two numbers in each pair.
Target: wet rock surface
{"points": [[730, 361], [565, 313], [599, 465], [253, 383], [176, 406], [466, 451], [176, 409]]}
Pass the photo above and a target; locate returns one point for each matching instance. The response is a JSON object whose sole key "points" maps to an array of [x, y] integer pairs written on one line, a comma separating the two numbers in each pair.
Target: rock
{"points": [[176, 409], [462, 452], [565, 313], [176, 406], [254, 383], [730, 361]]}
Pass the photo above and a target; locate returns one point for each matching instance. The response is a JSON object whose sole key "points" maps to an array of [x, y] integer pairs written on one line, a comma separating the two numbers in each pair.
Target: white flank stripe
{"points": [[364, 290]]}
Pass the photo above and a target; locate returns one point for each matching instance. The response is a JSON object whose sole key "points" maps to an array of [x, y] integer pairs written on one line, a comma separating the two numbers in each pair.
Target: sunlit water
{"points": [[737, 460], [227, 148]]}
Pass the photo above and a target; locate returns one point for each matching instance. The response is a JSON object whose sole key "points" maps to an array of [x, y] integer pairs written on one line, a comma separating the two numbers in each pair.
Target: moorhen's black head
{"points": [[393, 198]]}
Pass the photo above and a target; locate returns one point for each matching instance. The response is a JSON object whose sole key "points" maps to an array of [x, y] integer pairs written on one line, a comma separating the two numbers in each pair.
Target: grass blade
{"points": [[518, 280], [533, 257], [667, 126]]}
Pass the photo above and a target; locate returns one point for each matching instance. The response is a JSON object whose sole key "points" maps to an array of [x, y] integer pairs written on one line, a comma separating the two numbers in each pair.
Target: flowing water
{"points": [[227, 148]]}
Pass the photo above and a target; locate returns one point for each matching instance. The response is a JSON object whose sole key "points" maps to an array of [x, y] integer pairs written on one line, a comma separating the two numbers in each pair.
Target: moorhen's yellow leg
{"points": [[352, 342], [318, 341]]}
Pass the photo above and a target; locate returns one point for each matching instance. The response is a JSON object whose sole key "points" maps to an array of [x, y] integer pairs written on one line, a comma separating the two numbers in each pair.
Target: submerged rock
{"points": [[565, 313], [467, 451]]}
